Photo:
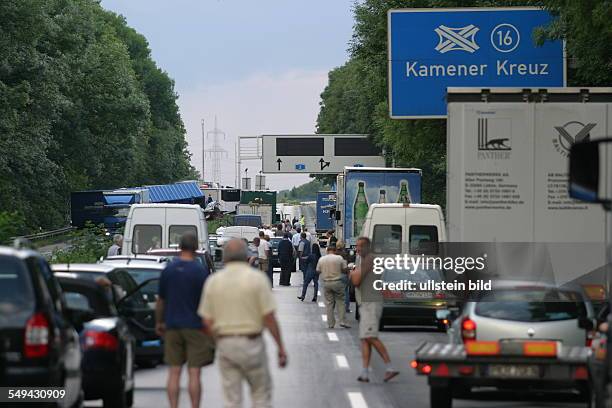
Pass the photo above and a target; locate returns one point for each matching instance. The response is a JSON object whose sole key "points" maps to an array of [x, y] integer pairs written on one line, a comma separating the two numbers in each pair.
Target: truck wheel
{"points": [[440, 397]]}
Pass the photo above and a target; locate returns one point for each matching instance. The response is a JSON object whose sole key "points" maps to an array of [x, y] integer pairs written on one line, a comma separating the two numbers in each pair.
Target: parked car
{"points": [[274, 258], [154, 226], [141, 270], [137, 311], [249, 233], [413, 307], [526, 310], [170, 253], [516, 312], [106, 342], [39, 346]]}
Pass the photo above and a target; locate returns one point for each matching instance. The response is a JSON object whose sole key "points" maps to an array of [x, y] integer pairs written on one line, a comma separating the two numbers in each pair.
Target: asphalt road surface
{"points": [[324, 365]]}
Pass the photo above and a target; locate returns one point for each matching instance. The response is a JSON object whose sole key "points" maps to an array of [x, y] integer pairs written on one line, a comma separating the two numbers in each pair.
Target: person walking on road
{"points": [[263, 252], [237, 304], [341, 250], [370, 311], [311, 273], [115, 249], [304, 249], [285, 257], [177, 320], [331, 267]]}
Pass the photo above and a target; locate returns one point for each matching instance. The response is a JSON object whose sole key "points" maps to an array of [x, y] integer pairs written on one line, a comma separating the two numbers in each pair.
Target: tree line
{"points": [[355, 99], [82, 106]]}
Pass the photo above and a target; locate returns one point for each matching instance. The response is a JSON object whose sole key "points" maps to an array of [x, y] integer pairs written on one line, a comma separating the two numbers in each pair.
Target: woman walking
{"points": [[311, 272]]}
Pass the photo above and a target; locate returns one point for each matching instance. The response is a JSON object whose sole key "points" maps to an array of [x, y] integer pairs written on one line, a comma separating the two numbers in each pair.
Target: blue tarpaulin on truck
{"points": [[177, 193]]}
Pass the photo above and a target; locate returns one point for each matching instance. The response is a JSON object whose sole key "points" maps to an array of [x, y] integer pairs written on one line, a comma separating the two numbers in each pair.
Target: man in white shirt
{"points": [[308, 235], [331, 268], [263, 253], [295, 239], [268, 231]]}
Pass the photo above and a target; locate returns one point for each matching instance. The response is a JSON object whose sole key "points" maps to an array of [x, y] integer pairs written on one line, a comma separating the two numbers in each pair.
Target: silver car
{"points": [[526, 310]]}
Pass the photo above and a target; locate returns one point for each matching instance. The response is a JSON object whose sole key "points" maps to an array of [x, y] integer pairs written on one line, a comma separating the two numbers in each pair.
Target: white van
{"points": [[403, 228], [238, 231], [154, 226]]}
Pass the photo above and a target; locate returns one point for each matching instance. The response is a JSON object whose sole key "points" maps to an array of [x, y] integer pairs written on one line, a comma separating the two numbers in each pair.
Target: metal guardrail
{"points": [[46, 234]]}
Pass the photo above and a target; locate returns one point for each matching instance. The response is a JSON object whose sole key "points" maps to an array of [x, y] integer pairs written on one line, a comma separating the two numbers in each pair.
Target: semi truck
{"points": [[359, 187], [261, 197], [102, 207], [326, 201], [507, 191]]}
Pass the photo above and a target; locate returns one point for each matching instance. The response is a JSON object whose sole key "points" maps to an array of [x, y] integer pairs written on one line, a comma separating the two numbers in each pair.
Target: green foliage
{"points": [[82, 106], [11, 225], [355, 99], [224, 221], [305, 192], [87, 245]]}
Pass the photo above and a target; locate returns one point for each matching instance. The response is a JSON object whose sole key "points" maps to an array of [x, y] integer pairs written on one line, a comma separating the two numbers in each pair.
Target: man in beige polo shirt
{"points": [[237, 305], [331, 268]]}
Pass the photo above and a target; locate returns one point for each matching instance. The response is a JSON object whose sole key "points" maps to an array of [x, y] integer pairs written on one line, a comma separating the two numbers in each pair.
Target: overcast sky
{"points": [[259, 66]]}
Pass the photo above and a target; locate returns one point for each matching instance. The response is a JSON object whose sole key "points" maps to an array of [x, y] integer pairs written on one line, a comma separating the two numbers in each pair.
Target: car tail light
{"points": [[581, 373], [590, 335], [468, 329], [99, 340], [36, 340], [442, 370], [466, 370], [439, 295]]}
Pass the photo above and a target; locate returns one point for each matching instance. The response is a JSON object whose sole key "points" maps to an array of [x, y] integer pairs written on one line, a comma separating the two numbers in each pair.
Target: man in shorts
{"points": [[177, 320], [370, 312]]}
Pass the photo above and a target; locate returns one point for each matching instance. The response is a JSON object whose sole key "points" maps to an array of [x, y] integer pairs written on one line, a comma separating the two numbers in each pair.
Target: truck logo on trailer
{"points": [[496, 147], [457, 39], [571, 133]]}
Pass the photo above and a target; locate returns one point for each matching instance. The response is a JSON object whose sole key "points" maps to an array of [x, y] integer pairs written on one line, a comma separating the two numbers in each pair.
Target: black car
{"points": [[106, 342], [274, 242], [137, 312], [39, 346]]}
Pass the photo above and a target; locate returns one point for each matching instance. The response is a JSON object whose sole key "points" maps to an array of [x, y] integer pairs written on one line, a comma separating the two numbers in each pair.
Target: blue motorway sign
{"points": [[432, 49]]}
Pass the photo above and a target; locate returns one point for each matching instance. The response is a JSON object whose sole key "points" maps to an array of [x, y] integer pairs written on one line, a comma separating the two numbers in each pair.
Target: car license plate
{"points": [[417, 295], [514, 371]]}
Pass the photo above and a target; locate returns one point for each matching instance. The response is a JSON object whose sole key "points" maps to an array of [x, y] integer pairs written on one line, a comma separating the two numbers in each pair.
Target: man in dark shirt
{"points": [[177, 320], [285, 257]]}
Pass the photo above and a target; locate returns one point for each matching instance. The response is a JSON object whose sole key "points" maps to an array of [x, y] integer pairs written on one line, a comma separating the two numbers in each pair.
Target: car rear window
{"points": [[177, 231], [387, 239], [531, 305], [17, 300], [146, 238]]}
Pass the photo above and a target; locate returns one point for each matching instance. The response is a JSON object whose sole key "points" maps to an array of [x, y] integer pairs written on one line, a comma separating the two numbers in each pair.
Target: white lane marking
{"points": [[324, 318], [357, 400], [341, 361], [321, 304], [332, 336], [318, 293]]}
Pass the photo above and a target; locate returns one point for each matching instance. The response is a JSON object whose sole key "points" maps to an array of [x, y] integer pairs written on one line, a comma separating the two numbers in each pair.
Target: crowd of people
{"points": [[205, 317]]}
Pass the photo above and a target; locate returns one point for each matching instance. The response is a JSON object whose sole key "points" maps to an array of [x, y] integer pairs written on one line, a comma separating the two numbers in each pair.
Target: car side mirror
{"points": [[588, 179], [586, 324]]}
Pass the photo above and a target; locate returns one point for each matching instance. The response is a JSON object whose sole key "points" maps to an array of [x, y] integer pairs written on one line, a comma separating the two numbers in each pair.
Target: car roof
{"points": [[135, 264], [20, 253], [83, 267], [133, 258]]}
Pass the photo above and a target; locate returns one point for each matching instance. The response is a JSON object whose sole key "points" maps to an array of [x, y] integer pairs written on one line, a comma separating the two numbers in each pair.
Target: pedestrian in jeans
{"points": [[331, 267], [370, 311], [304, 249], [237, 304], [311, 273], [177, 320]]}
